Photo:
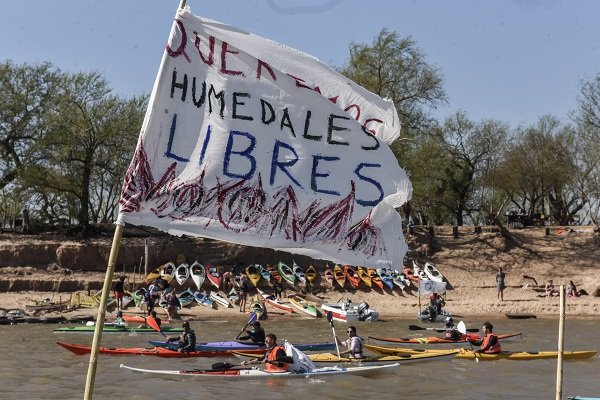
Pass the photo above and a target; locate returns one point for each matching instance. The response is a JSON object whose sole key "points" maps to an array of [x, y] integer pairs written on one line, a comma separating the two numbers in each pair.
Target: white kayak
{"points": [[244, 372]]}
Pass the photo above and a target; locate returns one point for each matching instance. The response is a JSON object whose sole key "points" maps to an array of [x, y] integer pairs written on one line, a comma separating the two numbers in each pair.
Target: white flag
{"points": [[248, 141], [428, 286]]}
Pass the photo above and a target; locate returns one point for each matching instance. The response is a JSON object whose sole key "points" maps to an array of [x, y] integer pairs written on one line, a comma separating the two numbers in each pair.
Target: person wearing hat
{"points": [[451, 332], [187, 340], [256, 334]]}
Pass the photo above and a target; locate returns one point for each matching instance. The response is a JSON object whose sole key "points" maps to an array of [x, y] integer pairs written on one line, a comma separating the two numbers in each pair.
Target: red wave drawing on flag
{"points": [[364, 237], [243, 205]]}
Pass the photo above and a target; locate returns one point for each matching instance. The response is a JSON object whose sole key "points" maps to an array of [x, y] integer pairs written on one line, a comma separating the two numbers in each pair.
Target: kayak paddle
{"points": [[420, 328], [463, 330], [251, 318], [154, 324], [330, 319]]}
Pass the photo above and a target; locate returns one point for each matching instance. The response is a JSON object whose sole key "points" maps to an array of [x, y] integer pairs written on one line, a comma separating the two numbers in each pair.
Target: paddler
{"points": [[256, 334], [187, 340], [354, 344], [490, 343], [275, 359]]}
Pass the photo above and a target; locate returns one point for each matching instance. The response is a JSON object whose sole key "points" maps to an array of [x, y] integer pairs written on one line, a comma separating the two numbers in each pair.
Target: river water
{"points": [[32, 366]]}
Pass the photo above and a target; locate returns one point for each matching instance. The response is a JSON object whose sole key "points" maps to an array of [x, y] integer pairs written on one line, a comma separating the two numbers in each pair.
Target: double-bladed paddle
{"points": [[463, 330], [330, 319], [251, 318], [420, 328], [150, 320]]}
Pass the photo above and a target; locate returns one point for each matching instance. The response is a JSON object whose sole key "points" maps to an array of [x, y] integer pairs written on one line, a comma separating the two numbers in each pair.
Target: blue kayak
{"points": [[241, 346]]}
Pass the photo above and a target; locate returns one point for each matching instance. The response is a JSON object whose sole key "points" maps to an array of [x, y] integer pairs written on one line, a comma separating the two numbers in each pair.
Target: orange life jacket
{"points": [[494, 348], [272, 356]]}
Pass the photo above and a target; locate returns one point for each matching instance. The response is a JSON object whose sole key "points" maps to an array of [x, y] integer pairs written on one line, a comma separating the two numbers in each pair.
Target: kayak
{"points": [[138, 319], [439, 340], [304, 306], [116, 329], [272, 300], [400, 358], [582, 398], [242, 346], [245, 372], [526, 355], [400, 351], [153, 351]]}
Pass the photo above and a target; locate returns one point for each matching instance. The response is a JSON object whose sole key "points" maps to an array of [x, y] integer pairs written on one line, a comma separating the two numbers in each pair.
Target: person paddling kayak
{"points": [[187, 340], [275, 359], [354, 344], [256, 334], [490, 344]]}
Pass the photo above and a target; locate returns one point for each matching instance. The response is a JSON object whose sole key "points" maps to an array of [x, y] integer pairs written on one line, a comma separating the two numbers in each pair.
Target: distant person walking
{"points": [[500, 283]]}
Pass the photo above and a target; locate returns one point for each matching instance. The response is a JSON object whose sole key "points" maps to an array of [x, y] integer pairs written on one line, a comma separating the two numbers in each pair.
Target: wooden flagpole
{"points": [[561, 343], [112, 261], [110, 269]]}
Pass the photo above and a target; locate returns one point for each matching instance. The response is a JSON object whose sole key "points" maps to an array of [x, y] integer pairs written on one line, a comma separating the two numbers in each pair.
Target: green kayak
{"points": [[116, 329]]}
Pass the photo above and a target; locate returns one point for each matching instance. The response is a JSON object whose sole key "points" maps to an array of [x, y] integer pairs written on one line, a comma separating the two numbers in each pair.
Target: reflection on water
{"points": [[32, 366]]}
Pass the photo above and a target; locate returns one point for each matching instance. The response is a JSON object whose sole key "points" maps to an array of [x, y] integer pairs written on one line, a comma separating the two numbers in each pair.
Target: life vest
{"points": [[493, 348], [355, 352], [272, 356]]}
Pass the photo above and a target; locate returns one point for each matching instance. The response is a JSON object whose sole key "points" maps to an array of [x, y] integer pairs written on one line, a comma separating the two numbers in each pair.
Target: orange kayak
{"points": [[152, 351]]}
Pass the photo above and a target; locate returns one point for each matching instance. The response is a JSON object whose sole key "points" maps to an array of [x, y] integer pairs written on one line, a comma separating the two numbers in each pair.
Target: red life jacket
{"points": [[494, 348], [272, 356]]}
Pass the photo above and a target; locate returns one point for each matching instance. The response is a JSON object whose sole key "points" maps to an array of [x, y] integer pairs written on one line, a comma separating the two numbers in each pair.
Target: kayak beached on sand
{"points": [[245, 372]]}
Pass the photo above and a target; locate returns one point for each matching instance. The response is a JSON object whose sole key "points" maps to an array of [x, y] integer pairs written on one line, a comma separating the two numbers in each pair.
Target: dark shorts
{"points": [[118, 295]]}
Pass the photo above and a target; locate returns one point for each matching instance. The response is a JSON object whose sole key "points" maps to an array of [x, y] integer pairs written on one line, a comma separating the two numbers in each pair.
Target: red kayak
{"points": [[152, 351], [439, 340], [138, 319]]}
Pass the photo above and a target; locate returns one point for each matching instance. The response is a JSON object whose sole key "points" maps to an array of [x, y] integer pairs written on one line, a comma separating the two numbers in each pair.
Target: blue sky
{"points": [[507, 60]]}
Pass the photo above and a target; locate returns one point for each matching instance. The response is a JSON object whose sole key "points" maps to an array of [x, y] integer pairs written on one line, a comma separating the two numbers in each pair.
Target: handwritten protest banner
{"points": [[248, 141]]}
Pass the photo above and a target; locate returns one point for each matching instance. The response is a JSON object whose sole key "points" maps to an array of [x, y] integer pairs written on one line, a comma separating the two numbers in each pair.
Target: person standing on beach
{"points": [[119, 291], [500, 283], [244, 289]]}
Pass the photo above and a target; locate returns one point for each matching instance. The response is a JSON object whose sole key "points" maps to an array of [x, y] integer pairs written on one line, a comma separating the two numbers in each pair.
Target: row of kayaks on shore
{"points": [[388, 354]]}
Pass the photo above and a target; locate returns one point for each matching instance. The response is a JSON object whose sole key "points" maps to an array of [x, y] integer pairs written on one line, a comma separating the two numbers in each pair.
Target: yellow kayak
{"points": [[403, 358], [401, 351], [525, 355]]}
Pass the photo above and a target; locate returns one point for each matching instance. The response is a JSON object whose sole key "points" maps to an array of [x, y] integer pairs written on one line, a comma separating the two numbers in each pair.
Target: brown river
{"points": [[32, 366]]}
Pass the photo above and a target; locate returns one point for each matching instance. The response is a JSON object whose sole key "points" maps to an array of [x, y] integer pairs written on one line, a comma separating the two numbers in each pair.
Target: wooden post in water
{"points": [[561, 342]]}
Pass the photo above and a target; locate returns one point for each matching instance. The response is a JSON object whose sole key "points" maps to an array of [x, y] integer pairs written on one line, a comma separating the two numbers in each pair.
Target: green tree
{"points": [[27, 90], [539, 171], [458, 158], [587, 118], [91, 136], [396, 69]]}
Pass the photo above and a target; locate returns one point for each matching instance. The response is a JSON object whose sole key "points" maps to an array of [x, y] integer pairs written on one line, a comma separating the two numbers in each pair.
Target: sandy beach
{"points": [[469, 262]]}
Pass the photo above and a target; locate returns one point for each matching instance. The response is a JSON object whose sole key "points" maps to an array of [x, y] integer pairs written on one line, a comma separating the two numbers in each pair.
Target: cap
{"points": [[185, 323]]}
